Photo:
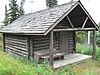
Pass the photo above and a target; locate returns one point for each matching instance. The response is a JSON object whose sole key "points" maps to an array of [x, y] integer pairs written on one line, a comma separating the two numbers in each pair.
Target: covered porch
{"points": [[73, 57], [70, 59]]}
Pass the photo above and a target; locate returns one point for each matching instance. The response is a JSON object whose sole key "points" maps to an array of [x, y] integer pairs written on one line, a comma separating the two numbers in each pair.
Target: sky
{"points": [[92, 6]]}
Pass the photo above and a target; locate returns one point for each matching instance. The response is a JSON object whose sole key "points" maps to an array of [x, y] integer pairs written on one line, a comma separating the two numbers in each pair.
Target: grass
{"points": [[10, 65], [89, 68]]}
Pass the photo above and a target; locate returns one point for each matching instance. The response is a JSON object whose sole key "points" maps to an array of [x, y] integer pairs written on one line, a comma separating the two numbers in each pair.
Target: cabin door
{"points": [[63, 41]]}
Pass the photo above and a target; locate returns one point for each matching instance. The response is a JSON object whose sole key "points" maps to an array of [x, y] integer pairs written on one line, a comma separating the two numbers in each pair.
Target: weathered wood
{"points": [[16, 47], [70, 22], [94, 44], [75, 29], [84, 22], [51, 48], [70, 41], [28, 47], [4, 42], [63, 43], [16, 44], [19, 51], [74, 42], [31, 47], [40, 43]]}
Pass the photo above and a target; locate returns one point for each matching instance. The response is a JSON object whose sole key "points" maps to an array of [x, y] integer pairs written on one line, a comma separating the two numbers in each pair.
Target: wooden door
{"points": [[63, 42]]}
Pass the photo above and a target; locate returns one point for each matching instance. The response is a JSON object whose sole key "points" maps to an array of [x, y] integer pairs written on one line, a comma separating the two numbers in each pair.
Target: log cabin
{"points": [[48, 30]]}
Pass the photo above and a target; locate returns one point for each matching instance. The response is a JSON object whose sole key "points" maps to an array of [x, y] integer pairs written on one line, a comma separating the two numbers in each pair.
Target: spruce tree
{"points": [[51, 3], [6, 20], [13, 12], [21, 9]]}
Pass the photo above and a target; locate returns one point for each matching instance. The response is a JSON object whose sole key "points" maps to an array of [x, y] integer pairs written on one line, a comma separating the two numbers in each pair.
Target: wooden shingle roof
{"points": [[39, 22]]}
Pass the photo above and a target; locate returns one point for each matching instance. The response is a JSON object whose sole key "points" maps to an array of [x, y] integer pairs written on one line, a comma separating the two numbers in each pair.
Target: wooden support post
{"points": [[28, 47], [74, 41], [31, 46], [51, 48], [94, 44], [89, 32], [4, 42]]}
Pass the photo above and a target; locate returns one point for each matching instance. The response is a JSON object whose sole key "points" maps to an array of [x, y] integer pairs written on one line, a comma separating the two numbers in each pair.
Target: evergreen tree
{"points": [[14, 11], [51, 3], [6, 20], [22, 12]]}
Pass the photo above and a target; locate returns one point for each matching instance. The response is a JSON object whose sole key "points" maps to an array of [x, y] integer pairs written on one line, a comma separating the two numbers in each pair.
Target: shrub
{"points": [[87, 49], [84, 49], [98, 38]]}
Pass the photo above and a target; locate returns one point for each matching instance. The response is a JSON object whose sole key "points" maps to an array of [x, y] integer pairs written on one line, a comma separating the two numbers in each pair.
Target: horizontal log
{"points": [[16, 37], [11, 51], [15, 42], [70, 48], [44, 44], [17, 51], [42, 41], [43, 38], [19, 40], [17, 45]]}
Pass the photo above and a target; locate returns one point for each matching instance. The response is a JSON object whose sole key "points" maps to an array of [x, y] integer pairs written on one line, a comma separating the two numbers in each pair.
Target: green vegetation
{"points": [[11, 65], [13, 12], [98, 38], [87, 49]]}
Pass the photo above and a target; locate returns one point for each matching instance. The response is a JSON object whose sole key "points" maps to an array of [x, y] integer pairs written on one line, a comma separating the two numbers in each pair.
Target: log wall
{"points": [[43, 42], [16, 44]]}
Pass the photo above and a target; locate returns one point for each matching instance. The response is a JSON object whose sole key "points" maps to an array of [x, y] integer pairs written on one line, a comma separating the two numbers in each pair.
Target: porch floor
{"points": [[69, 59]]}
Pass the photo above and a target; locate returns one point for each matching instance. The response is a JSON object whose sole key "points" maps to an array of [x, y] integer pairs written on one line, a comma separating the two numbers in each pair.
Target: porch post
{"points": [[51, 48], [31, 46], [4, 42], [74, 41], [94, 44], [28, 47]]}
